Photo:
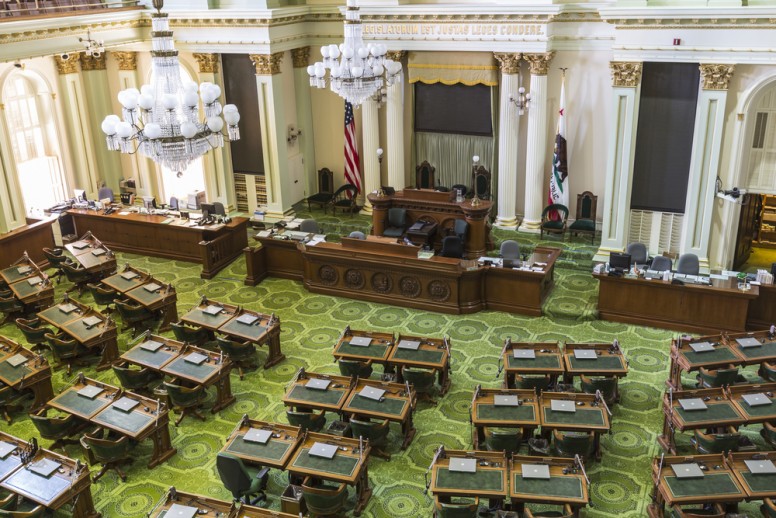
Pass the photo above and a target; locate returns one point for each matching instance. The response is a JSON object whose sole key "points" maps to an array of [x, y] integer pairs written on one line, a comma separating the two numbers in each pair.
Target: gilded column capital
{"points": [[715, 77], [208, 63], [395, 55], [92, 63], [67, 63], [267, 64], [126, 60], [509, 63], [301, 57], [626, 73], [539, 63]]}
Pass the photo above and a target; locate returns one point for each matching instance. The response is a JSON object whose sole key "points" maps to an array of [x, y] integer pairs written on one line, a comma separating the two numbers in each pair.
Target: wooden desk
{"points": [[127, 279], [658, 303], [685, 359], [591, 415], [154, 360], [758, 413], [92, 255], [489, 481], [567, 483], [275, 453], [102, 336], [484, 412], [378, 350], [396, 405], [23, 268], [33, 375], [548, 359], [757, 486], [432, 353], [766, 352], [56, 315], [31, 238], [609, 361], [762, 310], [211, 507], [522, 290], [298, 396], [213, 371], [214, 246], [163, 299], [37, 295]]}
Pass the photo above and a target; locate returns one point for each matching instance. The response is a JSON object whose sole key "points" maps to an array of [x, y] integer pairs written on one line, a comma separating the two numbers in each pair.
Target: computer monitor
{"points": [[79, 195], [618, 261], [149, 202], [208, 209]]}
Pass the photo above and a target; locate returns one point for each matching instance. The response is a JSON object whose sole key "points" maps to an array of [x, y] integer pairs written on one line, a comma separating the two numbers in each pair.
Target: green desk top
{"points": [[43, 490], [83, 333], [505, 413], [11, 274], [718, 355], [421, 355], [763, 483], [24, 289], [559, 487], [212, 322], [120, 284], [713, 484], [10, 374], [154, 359], [273, 450], [582, 417], [57, 316], [252, 332], [129, 422], [199, 373], [340, 465], [91, 261], [145, 297], [757, 411], [542, 361], [765, 350], [601, 363], [313, 396], [373, 350], [484, 479], [718, 411], [388, 406], [8, 464], [76, 404]]}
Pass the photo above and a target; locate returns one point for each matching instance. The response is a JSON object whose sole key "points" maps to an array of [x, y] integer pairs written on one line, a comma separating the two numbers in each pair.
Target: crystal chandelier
{"points": [[162, 121], [356, 71]]}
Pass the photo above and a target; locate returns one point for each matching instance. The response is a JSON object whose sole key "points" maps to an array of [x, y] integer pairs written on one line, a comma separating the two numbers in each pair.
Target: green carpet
{"points": [[311, 324]]}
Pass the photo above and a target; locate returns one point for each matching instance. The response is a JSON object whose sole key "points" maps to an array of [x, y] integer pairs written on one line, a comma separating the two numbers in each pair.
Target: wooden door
{"points": [[748, 224]]}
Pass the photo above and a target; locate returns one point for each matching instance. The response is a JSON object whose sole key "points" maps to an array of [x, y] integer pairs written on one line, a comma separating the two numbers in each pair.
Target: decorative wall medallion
{"points": [[354, 279], [439, 291], [382, 283], [409, 287], [328, 275]]}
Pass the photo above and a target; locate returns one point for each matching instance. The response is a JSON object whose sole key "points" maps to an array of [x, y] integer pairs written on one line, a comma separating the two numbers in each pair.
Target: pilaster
{"points": [[304, 116], [371, 134], [397, 177], [12, 210], [626, 82], [507, 140]]}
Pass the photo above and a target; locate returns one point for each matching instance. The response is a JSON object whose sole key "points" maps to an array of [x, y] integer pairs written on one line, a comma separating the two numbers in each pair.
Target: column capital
{"points": [[267, 64], [626, 73], [395, 55], [91, 62], [208, 63], [715, 76], [301, 57], [67, 63], [126, 60], [539, 63], [509, 63]]}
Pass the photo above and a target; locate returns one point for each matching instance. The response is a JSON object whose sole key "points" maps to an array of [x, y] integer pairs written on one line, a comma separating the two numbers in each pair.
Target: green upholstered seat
{"points": [[568, 444], [9, 399], [306, 420], [376, 432], [325, 190], [717, 442], [133, 315], [185, 400], [110, 453], [767, 371], [56, 429], [717, 378], [135, 379], [457, 509], [80, 277], [324, 499], [567, 512], [103, 296], [66, 350], [503, 439], [9, 502], [35, 512], [607, 385], [240, 480], [188, 334], [538, 383], [33, 332], [554, 226], [768, 433], [10, 306], [344, 199], [421, 379], [582, 225], [397, 222], [241, 354], [56, 257], [584, 222], [714, 512], [768, 508], [355, 368]]}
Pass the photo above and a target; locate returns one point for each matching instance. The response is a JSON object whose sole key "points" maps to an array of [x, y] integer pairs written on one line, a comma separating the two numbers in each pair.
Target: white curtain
{"points": [[451, 155]]}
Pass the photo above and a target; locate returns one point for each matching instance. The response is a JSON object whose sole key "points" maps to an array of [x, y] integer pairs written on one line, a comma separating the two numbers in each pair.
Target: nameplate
{"points": [[16, 360]]}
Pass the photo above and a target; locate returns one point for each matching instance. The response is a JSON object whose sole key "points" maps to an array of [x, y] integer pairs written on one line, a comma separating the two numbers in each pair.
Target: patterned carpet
{"points": [[311, 324]]}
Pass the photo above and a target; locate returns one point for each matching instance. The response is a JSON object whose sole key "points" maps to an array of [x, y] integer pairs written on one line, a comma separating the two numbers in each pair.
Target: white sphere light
{"points": [[108, 126], [169, 101], [124, 129], [146, 101], [188, 129], [215, 124], [152, 130], [232, 118]]}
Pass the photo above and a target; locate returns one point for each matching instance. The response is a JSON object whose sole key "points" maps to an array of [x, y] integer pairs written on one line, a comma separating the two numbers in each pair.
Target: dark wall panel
{"points": [[669, 96], [240, 90], [460, 109]]}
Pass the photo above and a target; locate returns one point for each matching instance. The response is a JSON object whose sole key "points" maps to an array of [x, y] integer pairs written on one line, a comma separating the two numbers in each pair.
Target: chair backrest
{"points": [[638, 252], [102, 296], [356, 234], [53, 427], [720, 377], [503, 439], [424, 175], [460, 228], [55, 256], [184, 333], [452, 246], [397, 217], [310, 225], [324, 499], [481, 183], [129, 310], [354, 368], [660, 263], [768, 508], [510, 249], [325, 181], [233, 474], [32, 330], [304, 420], [586, 205], [173, 203], [678, 512], [688, 264], [35, 512], [455, 510], [183, 396], [219, 208], [421, 379], [573, 443], [105, 192], [342, 192], [107, 450], [132, 379], [365, 429], [559, 208], [62, 347]]}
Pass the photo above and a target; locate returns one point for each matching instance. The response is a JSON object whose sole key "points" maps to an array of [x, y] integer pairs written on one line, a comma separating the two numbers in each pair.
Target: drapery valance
{"points": [[468, 68]]}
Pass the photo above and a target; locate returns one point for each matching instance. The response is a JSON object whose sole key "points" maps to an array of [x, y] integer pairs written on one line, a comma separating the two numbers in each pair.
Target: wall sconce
{"points": [[293, 134]]}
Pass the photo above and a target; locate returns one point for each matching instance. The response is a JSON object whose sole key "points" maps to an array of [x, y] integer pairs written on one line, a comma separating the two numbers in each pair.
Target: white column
{"points": [[12, 213], [395, 118], [371, 135], [626, 79], [507, 140], [704, 162], [304, 116], [273, 133], [537, 148]]}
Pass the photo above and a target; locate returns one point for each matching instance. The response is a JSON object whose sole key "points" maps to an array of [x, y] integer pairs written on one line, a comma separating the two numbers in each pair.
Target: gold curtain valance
{"points": [[450, 68]]}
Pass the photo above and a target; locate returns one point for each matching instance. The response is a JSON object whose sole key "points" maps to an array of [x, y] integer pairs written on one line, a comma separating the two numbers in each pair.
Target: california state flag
{"points": [[558, 179]]}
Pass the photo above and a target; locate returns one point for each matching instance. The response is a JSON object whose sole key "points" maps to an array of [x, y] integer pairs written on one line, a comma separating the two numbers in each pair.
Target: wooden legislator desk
{"points": [[212, 246], [31, 238], [689, 307], [33, 374], [179, 502]]}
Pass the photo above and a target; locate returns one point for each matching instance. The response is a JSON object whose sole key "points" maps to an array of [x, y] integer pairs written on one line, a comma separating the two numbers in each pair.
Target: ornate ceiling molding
{"points": [[626, 73], [509, 63], [539, 63], [208, 63], [92, 63], [301, 57], [396, 55], [67, 63], [126, 60], [715, 76], [267, 64]]}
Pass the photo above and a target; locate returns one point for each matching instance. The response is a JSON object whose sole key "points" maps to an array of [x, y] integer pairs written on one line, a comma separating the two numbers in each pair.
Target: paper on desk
{"points": [[718, 277], [124, 213]]}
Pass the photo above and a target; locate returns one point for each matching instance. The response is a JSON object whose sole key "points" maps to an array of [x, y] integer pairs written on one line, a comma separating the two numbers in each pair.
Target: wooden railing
{"points": [[14, 10], [219, 252]]}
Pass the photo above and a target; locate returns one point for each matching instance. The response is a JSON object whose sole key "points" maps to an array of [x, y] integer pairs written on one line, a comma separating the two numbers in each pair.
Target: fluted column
{"points": [[507, 140], [536, 144], [137, 166], [371, 135], [12, 213], [304, 116], [76, 110], [704, 161], [395, 118], [626, 80]]}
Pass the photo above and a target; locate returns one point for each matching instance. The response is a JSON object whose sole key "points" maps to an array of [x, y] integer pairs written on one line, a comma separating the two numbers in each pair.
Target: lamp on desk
{"points": [[475, 161], [380, 191]]}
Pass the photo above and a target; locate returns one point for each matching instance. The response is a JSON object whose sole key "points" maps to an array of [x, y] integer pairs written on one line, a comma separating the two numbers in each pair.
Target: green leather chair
{"points": [[185, 400], [422, 380], [9, 502], [585, 220], [567, 512], [768, 433], [768, 508], [133, 315], [240, 480], [9, 307], [456, 509], [34, 333], [607, 386], [103, 296], [35, 512], [553, 226], [717, 378], [57, 429], [397, 222], [9, 401], [66, 351], [324, 499], [767, 371], [716, 442], [80, 277], [715, 512], [538, 383], [111, 454], [503, 439], [568, 444], [307, 420], [56, 257], [134, 379], [241, 354], [355, 368], [189, 335], [376, 432], [344, 199]]}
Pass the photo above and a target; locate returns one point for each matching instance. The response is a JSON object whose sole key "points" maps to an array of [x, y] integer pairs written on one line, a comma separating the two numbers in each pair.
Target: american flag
{"points": [[352, 171]]}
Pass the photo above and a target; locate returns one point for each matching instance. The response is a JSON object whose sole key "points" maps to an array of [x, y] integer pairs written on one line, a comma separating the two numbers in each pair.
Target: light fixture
{"points": [[475, 200], [522, 101], [293, 133], [92, 48], [162, 121], [380, 96], [356, 71]]}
